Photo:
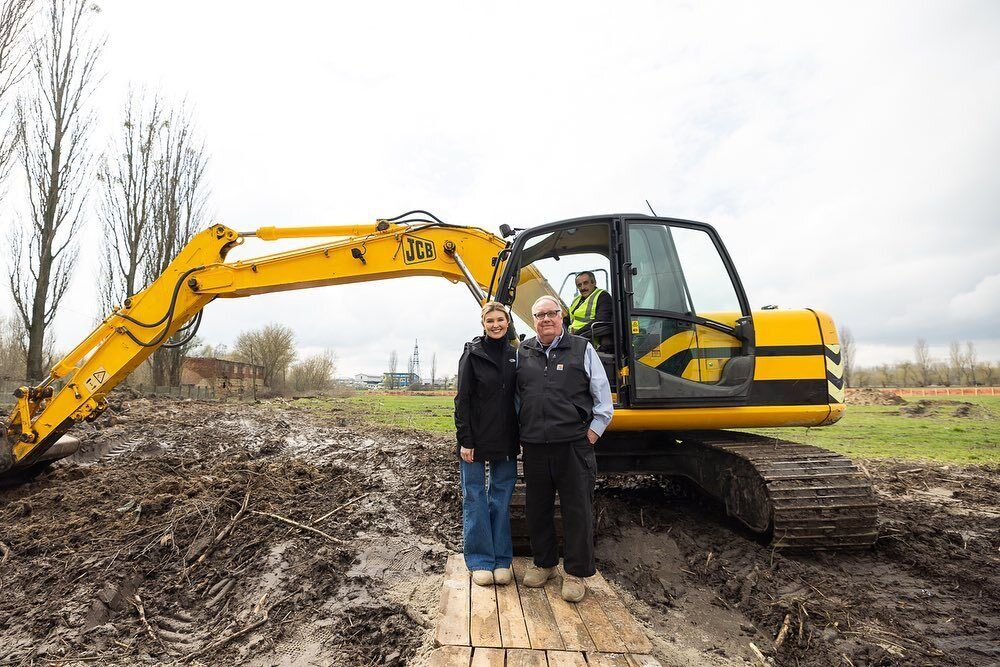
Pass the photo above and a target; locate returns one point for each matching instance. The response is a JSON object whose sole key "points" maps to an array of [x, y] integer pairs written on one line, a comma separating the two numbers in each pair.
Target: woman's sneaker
{"points": [[482, 577], [502, 576]]}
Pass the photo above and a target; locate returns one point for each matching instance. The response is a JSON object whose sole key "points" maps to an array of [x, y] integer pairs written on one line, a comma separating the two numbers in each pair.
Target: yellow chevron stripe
{"points": [[837, 395]]}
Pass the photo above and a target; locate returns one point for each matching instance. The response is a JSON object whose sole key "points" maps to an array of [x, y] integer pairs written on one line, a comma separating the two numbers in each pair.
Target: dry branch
{"points": [[337, 509], [764, 660], [137, 601], [223, 534], [299, 525], [780, 639], [5, 550]]}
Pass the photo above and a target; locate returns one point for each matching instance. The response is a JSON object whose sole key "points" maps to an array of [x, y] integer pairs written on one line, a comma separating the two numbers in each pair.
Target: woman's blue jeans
{"points": [[486, 513]]}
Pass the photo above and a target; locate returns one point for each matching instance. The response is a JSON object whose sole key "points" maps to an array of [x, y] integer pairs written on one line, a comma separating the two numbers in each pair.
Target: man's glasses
{"points": [[546, 315]]}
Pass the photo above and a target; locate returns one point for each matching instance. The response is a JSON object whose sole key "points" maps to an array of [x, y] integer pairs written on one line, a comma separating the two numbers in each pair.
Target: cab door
{"points": [[687, 321]]}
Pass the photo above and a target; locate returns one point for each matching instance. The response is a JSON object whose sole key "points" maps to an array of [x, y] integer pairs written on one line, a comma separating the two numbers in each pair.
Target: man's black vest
{"points": [[556, 404]]}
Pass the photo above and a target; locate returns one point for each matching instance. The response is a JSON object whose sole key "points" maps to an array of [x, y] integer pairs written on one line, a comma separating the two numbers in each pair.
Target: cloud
{"points": [[982, 301]]}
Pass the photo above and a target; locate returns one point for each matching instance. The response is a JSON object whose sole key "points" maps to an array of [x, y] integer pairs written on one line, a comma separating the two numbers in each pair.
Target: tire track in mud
{"points": [[150, 493]]}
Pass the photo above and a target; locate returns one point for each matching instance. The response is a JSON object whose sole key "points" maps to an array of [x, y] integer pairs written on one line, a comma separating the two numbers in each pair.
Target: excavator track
{"points": [[805, 496]]}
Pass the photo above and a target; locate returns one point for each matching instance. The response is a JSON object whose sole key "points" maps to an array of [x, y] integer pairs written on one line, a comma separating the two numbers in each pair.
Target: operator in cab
{"points": [[487, 431], [591, 305]]}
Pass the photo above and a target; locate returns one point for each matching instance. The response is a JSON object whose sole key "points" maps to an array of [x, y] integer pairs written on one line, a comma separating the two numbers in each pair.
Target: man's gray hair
{"points": [[555, 302]]}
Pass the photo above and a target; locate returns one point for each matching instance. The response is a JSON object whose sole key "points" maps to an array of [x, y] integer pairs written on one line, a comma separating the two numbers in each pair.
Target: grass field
{"points": [[427, 413], [881, 431], [875, 431]]}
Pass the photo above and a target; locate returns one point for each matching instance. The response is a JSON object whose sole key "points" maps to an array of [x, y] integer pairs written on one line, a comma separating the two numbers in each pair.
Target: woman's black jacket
{"points": [[485, 419]]}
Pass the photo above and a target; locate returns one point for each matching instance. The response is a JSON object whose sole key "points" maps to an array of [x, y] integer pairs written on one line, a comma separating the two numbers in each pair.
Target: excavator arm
{"points": [[173, 303]]}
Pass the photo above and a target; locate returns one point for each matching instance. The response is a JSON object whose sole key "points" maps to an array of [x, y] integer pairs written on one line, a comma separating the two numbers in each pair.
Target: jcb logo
{"points": [[416, 250]]}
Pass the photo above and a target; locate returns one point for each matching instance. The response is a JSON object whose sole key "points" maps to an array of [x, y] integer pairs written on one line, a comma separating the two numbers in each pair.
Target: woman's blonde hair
{"points": [[491, 306]]}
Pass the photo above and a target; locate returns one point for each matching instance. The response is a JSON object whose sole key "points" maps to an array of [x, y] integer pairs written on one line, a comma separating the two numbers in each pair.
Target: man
{"points": [[591, 305], [564, 405]]}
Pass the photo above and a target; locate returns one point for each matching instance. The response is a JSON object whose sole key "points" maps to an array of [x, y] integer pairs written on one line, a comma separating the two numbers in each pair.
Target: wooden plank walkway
{"points": [[516, 626]]}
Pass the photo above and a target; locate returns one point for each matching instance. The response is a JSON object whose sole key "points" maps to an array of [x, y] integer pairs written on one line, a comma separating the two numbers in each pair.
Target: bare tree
{"points": [[393, 363], [53, 123], [12, 350], [923, 362], [315, 372], [178, 212], [988, 370], [129, 179], [272, 347], [904, 369], [956, 362], [941, 372], [434, 363], [847, 347], [970, 358], [884, 375], [14, 18]]}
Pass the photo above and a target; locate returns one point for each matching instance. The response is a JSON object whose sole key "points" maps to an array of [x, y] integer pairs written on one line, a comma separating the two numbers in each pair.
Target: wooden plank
{"points": [[607, 660], [571, 627], [485, 622], [628, 628], [565, 659], [522, 657], [487, 657], [513, 631], [451, 656], [543, 633], [602, 630], [636, 660], [453, 619]]}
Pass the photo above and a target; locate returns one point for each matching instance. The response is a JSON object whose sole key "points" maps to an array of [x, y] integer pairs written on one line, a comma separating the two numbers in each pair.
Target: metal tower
{"points": [[415, 363]]}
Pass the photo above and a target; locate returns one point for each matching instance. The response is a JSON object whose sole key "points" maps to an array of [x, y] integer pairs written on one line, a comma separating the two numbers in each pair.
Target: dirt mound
{"points": [[862, 396], [927, 407]]}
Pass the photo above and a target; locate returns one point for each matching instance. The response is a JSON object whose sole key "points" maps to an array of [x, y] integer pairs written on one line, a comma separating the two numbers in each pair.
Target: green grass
{"points": [[426, 413], [881, 431], [877, 431]]}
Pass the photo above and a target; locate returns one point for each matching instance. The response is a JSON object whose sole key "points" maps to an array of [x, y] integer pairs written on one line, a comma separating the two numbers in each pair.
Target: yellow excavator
{"points": [[688, 359]]}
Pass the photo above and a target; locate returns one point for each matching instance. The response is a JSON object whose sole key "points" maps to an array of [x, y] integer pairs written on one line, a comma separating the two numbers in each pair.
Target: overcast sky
{"points": [[847, 152]]}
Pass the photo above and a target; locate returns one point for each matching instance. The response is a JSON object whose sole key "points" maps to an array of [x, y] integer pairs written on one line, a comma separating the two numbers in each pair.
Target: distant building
{"points": [[399, 380], [370, 381], [224, 377]]}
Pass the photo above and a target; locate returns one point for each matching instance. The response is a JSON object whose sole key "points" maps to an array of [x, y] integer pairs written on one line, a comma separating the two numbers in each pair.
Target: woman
{"points": [[486, 426]]}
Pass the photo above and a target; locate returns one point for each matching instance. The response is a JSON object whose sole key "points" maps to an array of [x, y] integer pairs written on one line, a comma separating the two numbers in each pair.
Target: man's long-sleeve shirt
{"points": [[600, 387]]}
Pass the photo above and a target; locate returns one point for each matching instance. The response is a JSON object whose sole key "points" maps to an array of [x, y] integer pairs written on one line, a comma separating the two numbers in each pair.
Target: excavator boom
{"points": [[174, 301]]}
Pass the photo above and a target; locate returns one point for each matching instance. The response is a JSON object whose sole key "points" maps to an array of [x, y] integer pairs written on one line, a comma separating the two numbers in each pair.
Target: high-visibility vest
{"points": [[582, 311]]}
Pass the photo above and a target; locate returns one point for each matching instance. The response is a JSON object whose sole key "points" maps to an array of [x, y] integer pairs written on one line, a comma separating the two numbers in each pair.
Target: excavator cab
{"points": [[682, 334]]}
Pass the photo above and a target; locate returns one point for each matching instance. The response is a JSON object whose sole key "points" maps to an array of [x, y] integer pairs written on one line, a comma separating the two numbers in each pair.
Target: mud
{"points": [[865, 396], [160, 543]]}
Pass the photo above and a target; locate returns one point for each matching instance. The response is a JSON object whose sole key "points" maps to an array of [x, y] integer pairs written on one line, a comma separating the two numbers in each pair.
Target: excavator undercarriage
{"points": [[800, 496], [803, 496]]}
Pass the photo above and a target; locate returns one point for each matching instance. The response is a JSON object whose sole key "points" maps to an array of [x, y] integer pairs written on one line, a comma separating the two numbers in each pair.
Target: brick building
{"points": [[224, 377]]}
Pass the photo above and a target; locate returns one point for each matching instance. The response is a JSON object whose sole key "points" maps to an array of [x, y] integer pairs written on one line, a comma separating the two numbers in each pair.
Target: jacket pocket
{"points": [[586, 416], [584, 451]]}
